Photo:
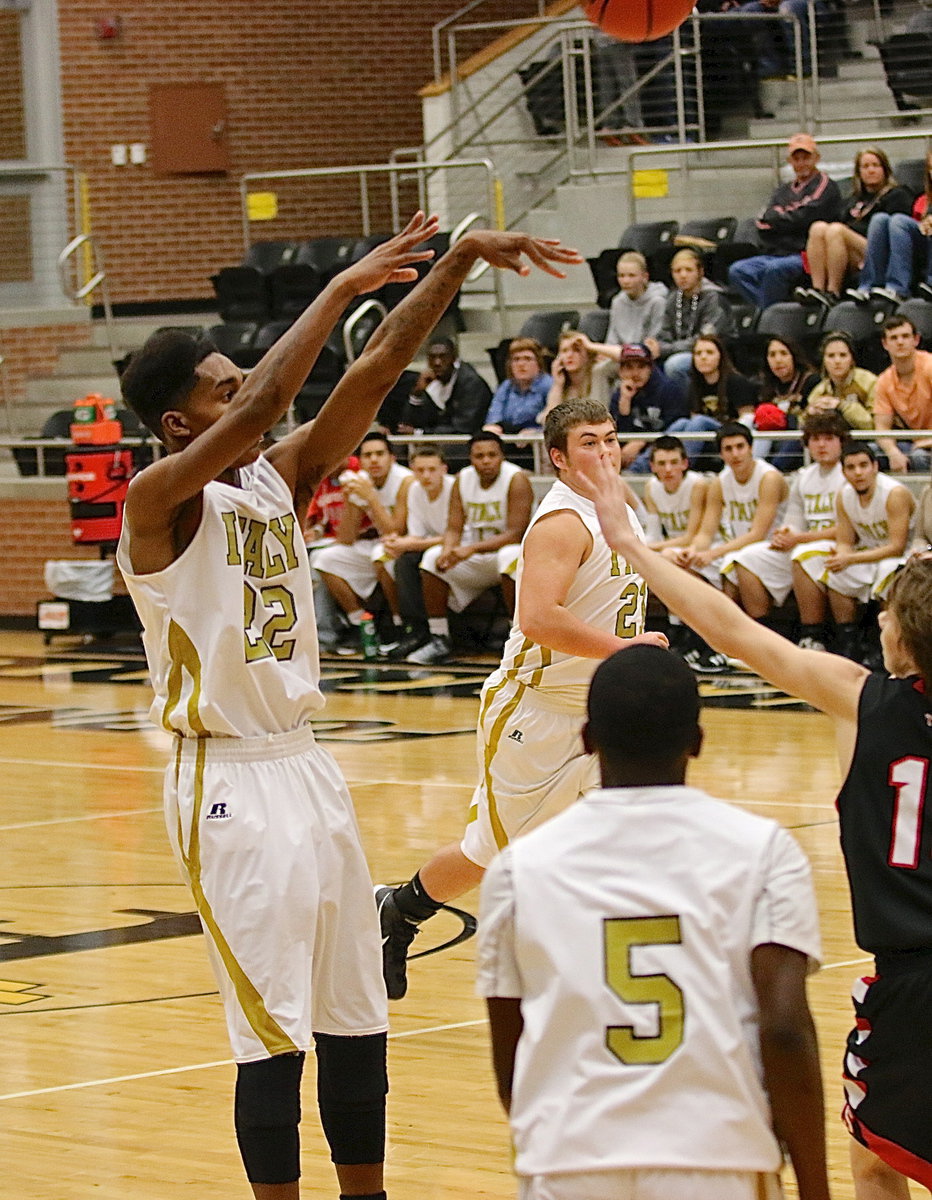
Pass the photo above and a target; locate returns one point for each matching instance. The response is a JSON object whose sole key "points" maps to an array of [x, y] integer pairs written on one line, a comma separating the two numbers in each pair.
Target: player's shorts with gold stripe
{"points": [[266, 837], [532, 764], [861, 580]]}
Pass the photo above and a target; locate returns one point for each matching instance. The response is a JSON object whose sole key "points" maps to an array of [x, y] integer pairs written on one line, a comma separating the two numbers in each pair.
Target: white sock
{"points": [[356, 616], [439, 626]]}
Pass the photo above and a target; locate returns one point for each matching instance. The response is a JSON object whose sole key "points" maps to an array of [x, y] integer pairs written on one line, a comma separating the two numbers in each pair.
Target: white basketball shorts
{"points": [[266, 838], [467, 579], [651, 1184]]}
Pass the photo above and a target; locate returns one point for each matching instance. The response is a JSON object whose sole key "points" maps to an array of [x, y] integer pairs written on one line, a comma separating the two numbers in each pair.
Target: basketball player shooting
{"points": [[883, 729], [259, 816]]}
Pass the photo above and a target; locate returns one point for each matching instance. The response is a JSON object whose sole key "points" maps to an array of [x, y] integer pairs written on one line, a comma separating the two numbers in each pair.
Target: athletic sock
{"points": [[355, 617], [815, 632], [413, 902], [363, 1196], [439, 626]]}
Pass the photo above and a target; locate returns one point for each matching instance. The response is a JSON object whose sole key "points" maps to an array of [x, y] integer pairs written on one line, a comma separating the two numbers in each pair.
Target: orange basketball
{"points": [[638, 20]]}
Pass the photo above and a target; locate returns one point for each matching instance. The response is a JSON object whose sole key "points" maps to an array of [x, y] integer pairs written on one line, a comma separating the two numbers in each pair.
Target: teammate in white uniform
{"points": [[674, 497], [743, 506], [350, 567], [577, 603], [489, 510], [873, 514], [635, 996], [259, 816], [766, 570]]}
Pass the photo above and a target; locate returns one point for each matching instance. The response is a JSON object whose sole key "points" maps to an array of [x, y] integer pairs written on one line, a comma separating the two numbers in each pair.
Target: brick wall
{"points": [[307, 84], [32, 351], [35, 527]]}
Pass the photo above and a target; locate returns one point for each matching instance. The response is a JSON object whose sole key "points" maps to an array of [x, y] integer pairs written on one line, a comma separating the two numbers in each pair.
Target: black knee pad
{"points": [[267, 1112], [352, 1083]]}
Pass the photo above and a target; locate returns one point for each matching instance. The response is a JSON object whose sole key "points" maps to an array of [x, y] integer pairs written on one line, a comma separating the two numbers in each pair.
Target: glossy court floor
{"points": [[115, 1079]]}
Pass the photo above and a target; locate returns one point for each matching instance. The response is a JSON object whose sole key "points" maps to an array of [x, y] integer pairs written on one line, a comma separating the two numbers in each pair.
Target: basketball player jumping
{"points": [[577, 602], [883, 726], [259, 816]]}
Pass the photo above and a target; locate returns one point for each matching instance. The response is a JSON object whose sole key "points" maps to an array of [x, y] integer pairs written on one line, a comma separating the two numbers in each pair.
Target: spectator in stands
{"points": [[519, 400], [616, 75], [423, 515], [643, 400], [903, 395], [777, 46], [490, 507], [349, 566], [872, 519], [845, 387], [898, 249], [695, 306], [636, 313], [716, 393], [765, 571], [783, 227], [835, 248], [578, 373], [787, 381], [449, 395]]}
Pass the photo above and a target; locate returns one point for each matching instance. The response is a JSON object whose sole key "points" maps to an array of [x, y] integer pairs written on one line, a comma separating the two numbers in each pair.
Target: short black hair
{"points": [[375, 436], [852, 447], [643, 705], [733, 429], [486, 435], [426, 450], [667, 442], [447, 343], [161, 376], [895, 320]]}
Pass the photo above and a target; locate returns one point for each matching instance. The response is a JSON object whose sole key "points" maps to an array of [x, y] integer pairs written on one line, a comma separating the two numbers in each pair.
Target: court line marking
{"points": [[851, 962], [223, 1062]]}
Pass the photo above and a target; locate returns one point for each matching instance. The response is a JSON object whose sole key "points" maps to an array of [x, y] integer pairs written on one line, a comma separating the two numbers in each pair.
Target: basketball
{"points": [[638, 20]]}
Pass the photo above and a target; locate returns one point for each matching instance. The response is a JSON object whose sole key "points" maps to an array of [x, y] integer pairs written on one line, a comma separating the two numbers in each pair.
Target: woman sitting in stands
{"points": [[787, 381], [578, 374], [519, 400], [695, 306], [845, 387], [897, 250], [834, 248], [717, 392]]}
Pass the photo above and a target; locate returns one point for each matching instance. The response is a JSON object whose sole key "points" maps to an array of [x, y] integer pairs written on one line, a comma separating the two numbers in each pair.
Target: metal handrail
{"points": [[353, 320], [438, 29], [97, 280]]}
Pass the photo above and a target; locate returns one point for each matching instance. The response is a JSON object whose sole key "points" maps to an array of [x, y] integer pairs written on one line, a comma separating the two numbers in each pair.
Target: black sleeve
{"points": [[469, 402], [742, 393]]}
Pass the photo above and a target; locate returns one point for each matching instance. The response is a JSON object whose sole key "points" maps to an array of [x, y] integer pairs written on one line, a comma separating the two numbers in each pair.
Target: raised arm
{"points": [[825, 681], [304, 457]]}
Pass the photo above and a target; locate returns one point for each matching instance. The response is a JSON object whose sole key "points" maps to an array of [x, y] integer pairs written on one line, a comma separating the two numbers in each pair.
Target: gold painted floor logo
{"points": [[14, 993]]}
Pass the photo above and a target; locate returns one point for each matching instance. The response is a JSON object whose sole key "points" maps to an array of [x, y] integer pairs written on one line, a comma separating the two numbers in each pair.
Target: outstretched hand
{"points": [[391, 261], [508, 251], [604, 486]]}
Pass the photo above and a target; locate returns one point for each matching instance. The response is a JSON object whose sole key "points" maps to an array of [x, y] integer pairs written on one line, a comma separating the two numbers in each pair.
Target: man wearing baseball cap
{"points": [[783, 227], [644, 400]]}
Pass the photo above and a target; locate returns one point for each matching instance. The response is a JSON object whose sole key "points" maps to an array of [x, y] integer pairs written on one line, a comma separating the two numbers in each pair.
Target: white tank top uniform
{"points": [[485, 512], [258, 815], [870, 522], [673, 508], [811, 506], [356, 563], [531, 760], [609, 1078], [426, 517], [739, 506]]}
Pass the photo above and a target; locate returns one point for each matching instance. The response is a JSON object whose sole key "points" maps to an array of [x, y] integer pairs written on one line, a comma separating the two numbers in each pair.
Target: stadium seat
{"points": [[266, 256], [905, 58], [648, 236], [920, 313], [603, 268], [795, 322], [235, 340], [292, 287], [863, 324], [594, 324], [911, 173], [546, 327], [242, 294]]}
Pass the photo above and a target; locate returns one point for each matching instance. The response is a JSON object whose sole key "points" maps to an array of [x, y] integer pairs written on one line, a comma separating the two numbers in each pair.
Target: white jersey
{"points": [[812, 497], [485, 509], [740, 500], [229, 628], [605, 593], [640, 1043], [428, 518], [672, 508], [870, 521]]}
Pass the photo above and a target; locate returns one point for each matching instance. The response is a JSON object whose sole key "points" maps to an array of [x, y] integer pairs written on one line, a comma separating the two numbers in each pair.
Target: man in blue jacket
{"points": [[646, 400]]}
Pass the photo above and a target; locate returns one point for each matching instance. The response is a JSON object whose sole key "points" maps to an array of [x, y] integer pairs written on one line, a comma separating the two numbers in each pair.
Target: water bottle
{"points": [[368, 637]]}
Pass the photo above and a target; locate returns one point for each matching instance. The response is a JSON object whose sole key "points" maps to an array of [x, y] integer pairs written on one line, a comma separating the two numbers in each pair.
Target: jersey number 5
{"points": [[620, 936]]}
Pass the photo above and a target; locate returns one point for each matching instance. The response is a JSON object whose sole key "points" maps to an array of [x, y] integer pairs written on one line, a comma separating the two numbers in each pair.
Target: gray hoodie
{"points": [[683, 321], [634, 320]]}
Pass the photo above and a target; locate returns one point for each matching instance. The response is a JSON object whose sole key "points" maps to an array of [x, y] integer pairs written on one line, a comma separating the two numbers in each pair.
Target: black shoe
{"points": [[706, 662], [888, 294], [805, 295], [348, 642], [397, 935], [409, 643], [925, 291]]}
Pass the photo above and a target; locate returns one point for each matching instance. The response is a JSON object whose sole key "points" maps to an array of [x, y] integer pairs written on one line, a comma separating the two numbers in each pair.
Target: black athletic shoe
{"points": [[397, 935], [408, 644]]}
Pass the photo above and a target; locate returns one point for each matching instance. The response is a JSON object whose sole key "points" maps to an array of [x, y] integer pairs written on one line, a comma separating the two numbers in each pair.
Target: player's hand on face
{"points": [[605, 488], [391, 262], [509, 250]]}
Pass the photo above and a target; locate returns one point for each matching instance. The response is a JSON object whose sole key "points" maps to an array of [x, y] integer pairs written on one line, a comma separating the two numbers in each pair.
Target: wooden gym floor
{"points": [[115, 1078]]}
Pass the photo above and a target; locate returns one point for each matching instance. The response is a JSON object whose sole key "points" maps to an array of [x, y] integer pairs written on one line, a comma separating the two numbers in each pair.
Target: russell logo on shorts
{"points": [[219, 811], [516, 736]]}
